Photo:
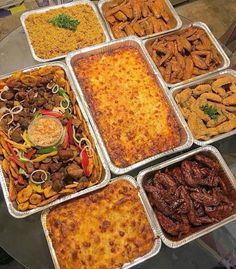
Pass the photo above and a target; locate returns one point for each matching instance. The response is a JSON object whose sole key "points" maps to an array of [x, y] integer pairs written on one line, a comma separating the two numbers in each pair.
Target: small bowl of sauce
{"points": [[45, 131]]}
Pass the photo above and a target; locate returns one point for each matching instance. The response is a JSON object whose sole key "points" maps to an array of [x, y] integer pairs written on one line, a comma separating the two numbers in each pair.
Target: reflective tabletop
{"points": [[24, 239]]}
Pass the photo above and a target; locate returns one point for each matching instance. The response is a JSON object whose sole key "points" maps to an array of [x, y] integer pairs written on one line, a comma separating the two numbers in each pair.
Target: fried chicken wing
{"points": [[143, 17], [190, 50], [202, 88], [188, 195], [230, 100]]}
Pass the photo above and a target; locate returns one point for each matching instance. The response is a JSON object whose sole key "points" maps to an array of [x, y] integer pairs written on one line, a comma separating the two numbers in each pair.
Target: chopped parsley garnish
{"points": [[210, 111], [65, 21]]}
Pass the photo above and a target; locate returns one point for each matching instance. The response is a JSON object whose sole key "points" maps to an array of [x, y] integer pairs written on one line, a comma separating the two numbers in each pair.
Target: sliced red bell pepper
{"points": [[16, 160], [51, 113], [12, 150], [70, 132], [30, 153], [20, 180], [85, 162], [66, 140]]}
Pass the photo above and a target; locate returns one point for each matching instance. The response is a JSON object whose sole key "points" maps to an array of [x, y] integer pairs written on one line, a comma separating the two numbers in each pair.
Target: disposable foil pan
{"points": [[170, 7], [45, 9], [106, 173], [225, 59], [186, 137], [157, 244], [209, 151], [178, 89]]}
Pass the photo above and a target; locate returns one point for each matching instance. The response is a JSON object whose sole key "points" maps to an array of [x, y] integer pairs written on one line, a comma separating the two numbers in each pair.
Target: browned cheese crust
{"points": [[101, 230], [129, 107]]}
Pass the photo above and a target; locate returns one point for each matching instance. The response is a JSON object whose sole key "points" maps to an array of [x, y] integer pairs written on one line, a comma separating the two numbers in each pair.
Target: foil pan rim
{"points": [[157, 241], [226, 61], [115, 169], [175, 244], [22, 214], [194, 83], [45, 9], [171, 8]]}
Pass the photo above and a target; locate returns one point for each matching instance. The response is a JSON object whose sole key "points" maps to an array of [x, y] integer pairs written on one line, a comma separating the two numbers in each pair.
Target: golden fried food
{"points": [[212, 111], [35, 199], [128, 105], [23, 206], [38, 171], [24, 195], [50, 41], [201, 89], [184, 55], [138, 17], [114, 230], [230, 100]]}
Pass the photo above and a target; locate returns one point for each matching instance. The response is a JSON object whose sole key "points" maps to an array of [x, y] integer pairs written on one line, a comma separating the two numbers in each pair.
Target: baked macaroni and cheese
{"points": [[128, 105], [102, 230]]}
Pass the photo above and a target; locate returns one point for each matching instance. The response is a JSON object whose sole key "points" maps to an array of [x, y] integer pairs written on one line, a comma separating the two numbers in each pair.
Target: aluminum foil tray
{"points": [[178, 89], [157, 244], [106, 172], [45, 9], [169, 5], [149, 172], [225, 64], [186, 137]]}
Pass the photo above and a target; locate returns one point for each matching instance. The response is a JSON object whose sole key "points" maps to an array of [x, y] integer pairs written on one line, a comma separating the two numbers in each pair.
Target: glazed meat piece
{"points": [[55, 167], [190, 194], [16, 135], [45, 166], [219, 212], [177, 175], [168, 224], [74, 171], [66, 154], [205, 198], [207, 161], [58, 176], [57, 185], [8, 95], [29, 167], [166, 181]]}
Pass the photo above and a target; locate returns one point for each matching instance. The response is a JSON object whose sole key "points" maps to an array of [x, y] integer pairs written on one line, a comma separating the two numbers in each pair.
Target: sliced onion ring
{"points": [[42, 179], [12, 118], [83, 139], [89, 151], [12, 129], [55, 88], [16, 109], [67, 103], [69, 110], [5, 88], [50, 85]]}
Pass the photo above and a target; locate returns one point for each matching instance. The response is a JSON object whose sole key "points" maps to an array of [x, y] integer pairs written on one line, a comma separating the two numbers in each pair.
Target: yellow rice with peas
{"points": [[50, 41]]}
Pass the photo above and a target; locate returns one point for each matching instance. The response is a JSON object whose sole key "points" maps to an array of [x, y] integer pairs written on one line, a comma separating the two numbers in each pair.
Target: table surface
{"points": [[24, 238]]}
